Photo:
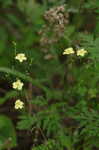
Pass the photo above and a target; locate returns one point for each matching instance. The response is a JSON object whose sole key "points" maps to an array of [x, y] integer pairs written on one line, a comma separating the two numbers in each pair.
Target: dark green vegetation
{"points": [[61, 92]]}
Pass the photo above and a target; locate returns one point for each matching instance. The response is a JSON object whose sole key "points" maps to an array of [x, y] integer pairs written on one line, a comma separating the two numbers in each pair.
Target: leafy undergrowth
{"points": [[49, 69]]}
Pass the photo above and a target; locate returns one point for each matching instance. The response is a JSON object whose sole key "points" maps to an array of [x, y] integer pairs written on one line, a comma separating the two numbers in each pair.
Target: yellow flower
{"points": [[17, 85], [68, 51], [81, 52], [21, 57], [19, 104]]}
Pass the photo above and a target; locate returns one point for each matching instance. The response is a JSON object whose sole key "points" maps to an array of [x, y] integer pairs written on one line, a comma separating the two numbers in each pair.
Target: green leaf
{"points": [[26, 122], [23, 76], [7, 133], [8, 96]]}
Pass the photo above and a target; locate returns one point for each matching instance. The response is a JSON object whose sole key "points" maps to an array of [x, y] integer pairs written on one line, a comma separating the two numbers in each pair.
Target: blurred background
{"points": [[28, 26]]}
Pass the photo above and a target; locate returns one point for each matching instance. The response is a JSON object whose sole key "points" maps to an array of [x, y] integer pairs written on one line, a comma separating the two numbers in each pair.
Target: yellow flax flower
{"points": [[19, 104], [21, 57], [68, 51], [17, 85], [81, 52]]}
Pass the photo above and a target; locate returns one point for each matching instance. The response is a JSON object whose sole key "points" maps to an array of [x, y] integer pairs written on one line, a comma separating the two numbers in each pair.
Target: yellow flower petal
{"points": [[19, 104], [21, 57], [68, 51], [17, 85], [81, 52]]}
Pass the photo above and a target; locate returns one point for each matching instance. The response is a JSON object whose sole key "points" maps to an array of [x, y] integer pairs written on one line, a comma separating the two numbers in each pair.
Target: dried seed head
{"points": [[56, 20]]}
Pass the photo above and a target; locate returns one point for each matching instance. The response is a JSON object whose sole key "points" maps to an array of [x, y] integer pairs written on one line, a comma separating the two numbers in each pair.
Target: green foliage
{"points": [[26, 122], [49, 145], [60, 92], [7, 133], [9, 95], [91, 44]]}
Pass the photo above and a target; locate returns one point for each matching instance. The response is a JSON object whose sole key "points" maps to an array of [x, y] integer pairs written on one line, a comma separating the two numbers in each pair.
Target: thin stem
{"points": [[43, 134]]}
